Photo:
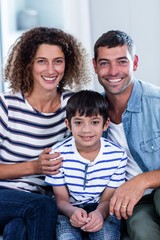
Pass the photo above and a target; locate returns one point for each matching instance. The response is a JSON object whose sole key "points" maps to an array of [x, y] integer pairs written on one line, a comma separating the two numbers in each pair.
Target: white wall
{"points": [[88, 19], [141, 20]]}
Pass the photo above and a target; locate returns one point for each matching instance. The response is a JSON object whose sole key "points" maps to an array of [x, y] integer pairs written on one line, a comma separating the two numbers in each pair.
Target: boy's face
{"points": [[87, 130]]}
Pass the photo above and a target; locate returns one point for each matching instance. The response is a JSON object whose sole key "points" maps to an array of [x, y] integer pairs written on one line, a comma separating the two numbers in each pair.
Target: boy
{"points": [[92, 168]]}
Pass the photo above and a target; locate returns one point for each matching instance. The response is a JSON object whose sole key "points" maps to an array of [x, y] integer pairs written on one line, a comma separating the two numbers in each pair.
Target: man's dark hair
{"points": [[87, 103], [114, 38]]}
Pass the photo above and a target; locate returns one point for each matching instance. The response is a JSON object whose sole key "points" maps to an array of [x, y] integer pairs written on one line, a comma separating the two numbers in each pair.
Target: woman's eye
{"points": [[41, 61], [58, 61]]}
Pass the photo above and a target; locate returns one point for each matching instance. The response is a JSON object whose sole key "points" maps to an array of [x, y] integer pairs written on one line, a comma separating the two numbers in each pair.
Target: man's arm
{"points": [[129, 193]]}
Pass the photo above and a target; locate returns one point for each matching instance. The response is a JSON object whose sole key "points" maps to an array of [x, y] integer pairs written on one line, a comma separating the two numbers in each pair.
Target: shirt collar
{"points": [[134, 103]]}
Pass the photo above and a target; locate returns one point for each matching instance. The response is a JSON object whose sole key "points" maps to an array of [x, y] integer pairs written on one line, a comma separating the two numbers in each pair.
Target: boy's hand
{"points": [[95, 223], [79, 218]]}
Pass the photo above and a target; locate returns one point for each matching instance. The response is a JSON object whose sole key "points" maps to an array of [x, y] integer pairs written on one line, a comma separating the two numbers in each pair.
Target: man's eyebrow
{"points": [[103, 59], [122, 58], [106, 59]]}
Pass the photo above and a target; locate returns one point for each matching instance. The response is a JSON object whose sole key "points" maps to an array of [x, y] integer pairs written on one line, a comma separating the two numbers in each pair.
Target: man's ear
{"points": [[106, 124], [135, 63], [67, 124], [94, 65]]}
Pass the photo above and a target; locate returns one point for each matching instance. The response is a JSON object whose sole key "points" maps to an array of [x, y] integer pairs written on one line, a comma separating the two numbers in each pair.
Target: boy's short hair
{"points": [[87, 103]]}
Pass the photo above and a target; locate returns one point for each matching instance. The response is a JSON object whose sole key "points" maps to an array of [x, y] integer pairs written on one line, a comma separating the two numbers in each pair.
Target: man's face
{"points": [[114, 67]]}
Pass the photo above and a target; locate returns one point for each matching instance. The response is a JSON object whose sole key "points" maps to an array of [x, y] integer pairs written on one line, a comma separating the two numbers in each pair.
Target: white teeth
{"points": [[114, 80], [49, 78]]}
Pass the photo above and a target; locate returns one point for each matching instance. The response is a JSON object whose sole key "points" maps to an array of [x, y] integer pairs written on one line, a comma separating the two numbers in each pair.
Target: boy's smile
{"points": [[87, 131]]}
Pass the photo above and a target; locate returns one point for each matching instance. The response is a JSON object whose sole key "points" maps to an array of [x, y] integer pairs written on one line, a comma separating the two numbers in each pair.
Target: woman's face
{"points": [[48, 67]]}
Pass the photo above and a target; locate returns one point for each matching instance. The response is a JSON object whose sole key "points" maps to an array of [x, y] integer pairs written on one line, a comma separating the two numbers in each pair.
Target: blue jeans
{"points": [[27, 216], [110, 230]]}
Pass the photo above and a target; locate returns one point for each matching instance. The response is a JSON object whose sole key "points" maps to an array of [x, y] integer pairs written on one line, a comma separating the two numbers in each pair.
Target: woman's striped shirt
{"points": [[25, 132], [86, 180]]}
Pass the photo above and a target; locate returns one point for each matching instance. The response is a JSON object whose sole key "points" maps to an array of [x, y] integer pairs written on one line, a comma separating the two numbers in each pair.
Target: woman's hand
{"points": [[48, 163]]}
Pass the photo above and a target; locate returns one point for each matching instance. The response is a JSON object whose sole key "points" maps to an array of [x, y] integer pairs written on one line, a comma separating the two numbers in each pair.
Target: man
{"points": [[134, 111]]}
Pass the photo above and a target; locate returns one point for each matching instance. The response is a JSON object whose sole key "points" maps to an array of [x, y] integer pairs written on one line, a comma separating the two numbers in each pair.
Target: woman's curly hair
{"points": [[18, 70]]}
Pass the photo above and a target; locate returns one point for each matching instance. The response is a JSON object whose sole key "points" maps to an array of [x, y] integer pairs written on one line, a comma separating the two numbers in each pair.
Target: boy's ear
{"points": [[106, 124], [67, 124]]}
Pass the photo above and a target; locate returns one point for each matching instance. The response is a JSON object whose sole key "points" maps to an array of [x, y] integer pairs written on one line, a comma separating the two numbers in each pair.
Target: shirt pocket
{"points": [[151, 145]]}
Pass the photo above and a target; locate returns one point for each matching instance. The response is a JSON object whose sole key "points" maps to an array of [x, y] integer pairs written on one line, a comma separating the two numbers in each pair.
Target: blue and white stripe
{"points": [[86, 180], [25, 132]]}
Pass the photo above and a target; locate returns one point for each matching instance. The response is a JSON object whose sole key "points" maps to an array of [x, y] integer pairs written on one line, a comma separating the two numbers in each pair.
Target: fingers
{"points": [[92, 226], [52, 167], [79, 218], [46, 155], [122, 208], [49, 163]]}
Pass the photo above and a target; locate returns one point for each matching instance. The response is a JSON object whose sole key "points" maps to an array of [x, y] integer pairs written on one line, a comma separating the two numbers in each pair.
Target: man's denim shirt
{"points": [[141, 122]]}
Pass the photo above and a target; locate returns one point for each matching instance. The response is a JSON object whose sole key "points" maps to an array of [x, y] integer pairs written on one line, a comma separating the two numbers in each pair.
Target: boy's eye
{"points": [[77, 123], [95, 122]]}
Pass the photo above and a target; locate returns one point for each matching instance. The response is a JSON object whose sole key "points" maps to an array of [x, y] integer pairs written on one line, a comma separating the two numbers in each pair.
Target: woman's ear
{"points": [[67, 124], [106, 124]]}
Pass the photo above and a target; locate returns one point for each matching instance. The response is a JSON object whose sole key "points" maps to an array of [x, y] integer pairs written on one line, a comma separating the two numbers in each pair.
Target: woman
{"points": [[42, 63]]}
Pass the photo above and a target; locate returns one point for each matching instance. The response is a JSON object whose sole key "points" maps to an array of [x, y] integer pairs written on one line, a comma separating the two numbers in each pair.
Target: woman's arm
{"points": [[42, 165]]}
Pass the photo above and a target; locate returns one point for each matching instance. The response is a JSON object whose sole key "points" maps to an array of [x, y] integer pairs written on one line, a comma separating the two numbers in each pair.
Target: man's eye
{"points": [[123, 62], [103, 63]]}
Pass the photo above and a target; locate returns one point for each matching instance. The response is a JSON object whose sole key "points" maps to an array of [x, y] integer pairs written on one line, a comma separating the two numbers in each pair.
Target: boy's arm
{"points": [[100, 213], [103, 206], [62, 200], [78, 216]]}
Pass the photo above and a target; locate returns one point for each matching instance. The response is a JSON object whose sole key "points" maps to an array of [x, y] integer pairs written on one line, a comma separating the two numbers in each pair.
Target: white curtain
{"points": [[76, 15]]}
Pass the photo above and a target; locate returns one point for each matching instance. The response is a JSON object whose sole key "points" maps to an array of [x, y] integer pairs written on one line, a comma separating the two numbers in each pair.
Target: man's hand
{"points": [[126, 196]]}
